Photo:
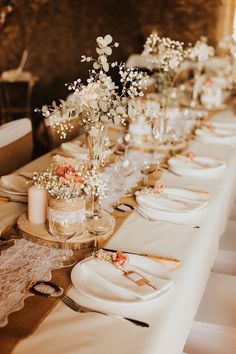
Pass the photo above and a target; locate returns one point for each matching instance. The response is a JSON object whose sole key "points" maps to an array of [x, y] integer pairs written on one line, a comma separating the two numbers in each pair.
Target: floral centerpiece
{"points": [[67, 183], [142, 114], [100, 102], [165, 56], [199, 54], [228, 46], [201, 51], [97, 104]]}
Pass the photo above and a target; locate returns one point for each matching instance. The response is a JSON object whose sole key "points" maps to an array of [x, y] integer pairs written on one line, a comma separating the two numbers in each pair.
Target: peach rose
{"points": [[119, 258], [159, 187], [190, 155], [210, 127]]}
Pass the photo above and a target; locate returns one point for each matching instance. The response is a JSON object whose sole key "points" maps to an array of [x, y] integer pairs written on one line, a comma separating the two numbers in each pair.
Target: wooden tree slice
{"points": [[38, 233]]}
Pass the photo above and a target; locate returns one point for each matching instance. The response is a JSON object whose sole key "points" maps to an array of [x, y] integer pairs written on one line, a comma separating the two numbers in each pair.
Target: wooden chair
{"points": [[16, 145], [54, 136]]}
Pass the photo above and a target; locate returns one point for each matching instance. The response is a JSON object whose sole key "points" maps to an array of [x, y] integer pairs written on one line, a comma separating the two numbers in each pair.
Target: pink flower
{"points": [[119, 258], [208, 81], [190, 155], [159, 187], [210, 127]]}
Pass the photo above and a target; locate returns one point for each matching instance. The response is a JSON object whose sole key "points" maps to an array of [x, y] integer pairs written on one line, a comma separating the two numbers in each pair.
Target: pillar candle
{"points": [[37, 205]]}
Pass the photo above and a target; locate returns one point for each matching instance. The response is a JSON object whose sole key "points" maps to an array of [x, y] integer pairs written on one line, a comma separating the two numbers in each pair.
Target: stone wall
{"points": [[57, 32]]}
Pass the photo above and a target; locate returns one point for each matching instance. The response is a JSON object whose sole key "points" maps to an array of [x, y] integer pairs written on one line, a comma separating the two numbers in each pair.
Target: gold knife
{"points": [[174, 261], [8, 200]]}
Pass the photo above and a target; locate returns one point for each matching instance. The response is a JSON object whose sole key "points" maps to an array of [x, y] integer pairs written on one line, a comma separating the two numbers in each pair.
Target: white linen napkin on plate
{"points": [[74, 149], [224, 125], [9, 213], [187, 163], [173, 204], [98, 278], [217, 132], [14, 183]]}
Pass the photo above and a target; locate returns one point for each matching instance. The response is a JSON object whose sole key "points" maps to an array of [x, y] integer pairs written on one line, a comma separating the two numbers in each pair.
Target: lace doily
{"points": [[19, 265], [69, 217]]}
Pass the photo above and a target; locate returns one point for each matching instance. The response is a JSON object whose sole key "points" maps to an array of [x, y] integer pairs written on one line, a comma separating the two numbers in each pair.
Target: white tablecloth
{"points": [[170, 316]]}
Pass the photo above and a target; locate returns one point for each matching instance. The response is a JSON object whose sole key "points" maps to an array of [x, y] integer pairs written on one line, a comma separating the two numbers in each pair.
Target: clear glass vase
{"points": [[196, 84], [98, 221], [165, 132], [96, 137]]}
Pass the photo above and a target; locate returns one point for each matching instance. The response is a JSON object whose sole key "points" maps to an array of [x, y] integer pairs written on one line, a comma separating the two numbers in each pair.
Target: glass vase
{"points": [[96, 137], [163, 131], [196, 84], [98, 221]]}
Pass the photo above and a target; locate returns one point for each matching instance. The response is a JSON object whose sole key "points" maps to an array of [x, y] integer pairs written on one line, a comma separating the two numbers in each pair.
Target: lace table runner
{"points": [[116, 181], [21, 264]]}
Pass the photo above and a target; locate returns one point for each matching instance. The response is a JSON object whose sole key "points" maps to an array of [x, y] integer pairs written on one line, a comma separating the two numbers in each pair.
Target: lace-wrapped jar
{"points": [[66, 217]]}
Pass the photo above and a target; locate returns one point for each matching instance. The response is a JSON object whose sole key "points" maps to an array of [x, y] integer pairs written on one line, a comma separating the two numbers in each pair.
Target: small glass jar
{"points": [[66, 217]]}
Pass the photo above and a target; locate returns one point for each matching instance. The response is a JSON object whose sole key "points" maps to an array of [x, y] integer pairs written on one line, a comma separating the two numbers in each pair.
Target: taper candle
{"points": [[234, 27], [37, 205]]}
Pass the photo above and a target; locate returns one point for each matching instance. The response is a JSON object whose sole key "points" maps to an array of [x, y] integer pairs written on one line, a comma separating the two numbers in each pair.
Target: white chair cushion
{"points": [[214, 328], [218, 305], [228, 239], [225, 261], [205, 338], [137, 61], [12, 131], [233, 212]]}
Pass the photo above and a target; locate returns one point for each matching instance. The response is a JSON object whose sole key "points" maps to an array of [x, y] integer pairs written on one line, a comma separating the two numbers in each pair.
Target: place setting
{"points": [[120, 277], [216, 134], [190, 164], [173, 205]]}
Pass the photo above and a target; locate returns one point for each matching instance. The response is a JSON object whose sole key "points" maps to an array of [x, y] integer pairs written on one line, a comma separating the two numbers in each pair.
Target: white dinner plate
{"points": [[100, 280], [218, 136], [200, 166], [224, 125], [176, 205], [14, 184]]}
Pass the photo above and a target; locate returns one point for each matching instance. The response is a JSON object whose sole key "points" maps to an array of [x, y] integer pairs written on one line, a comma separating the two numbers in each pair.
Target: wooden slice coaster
{"points": [[38, 233]]}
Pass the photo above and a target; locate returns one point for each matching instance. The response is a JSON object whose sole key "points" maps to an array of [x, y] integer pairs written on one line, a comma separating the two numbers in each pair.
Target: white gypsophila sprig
{"points": [[165, 56], [163, 53], [95, 184], [143, 109], [226, 43], [201, 51]]}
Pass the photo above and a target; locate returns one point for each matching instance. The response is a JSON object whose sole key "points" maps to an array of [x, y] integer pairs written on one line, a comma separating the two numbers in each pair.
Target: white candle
{"points": [[234, 27], [37, 205]]}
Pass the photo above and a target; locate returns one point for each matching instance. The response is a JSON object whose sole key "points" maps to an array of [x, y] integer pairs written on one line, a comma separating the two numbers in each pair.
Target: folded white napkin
{"points": [[224, 125], [218, 132], [100, 279], [12, 131], [14, 184], [187, 163], [170, 202], [9, 213], [75, 149], [219, 135]]}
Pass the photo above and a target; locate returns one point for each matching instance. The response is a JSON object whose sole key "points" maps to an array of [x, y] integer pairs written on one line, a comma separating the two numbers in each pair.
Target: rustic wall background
{"points": [[57, 32]]}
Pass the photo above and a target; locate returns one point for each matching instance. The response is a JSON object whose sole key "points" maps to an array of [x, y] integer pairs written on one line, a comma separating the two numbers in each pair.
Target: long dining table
{"points": [[170, 315]]}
